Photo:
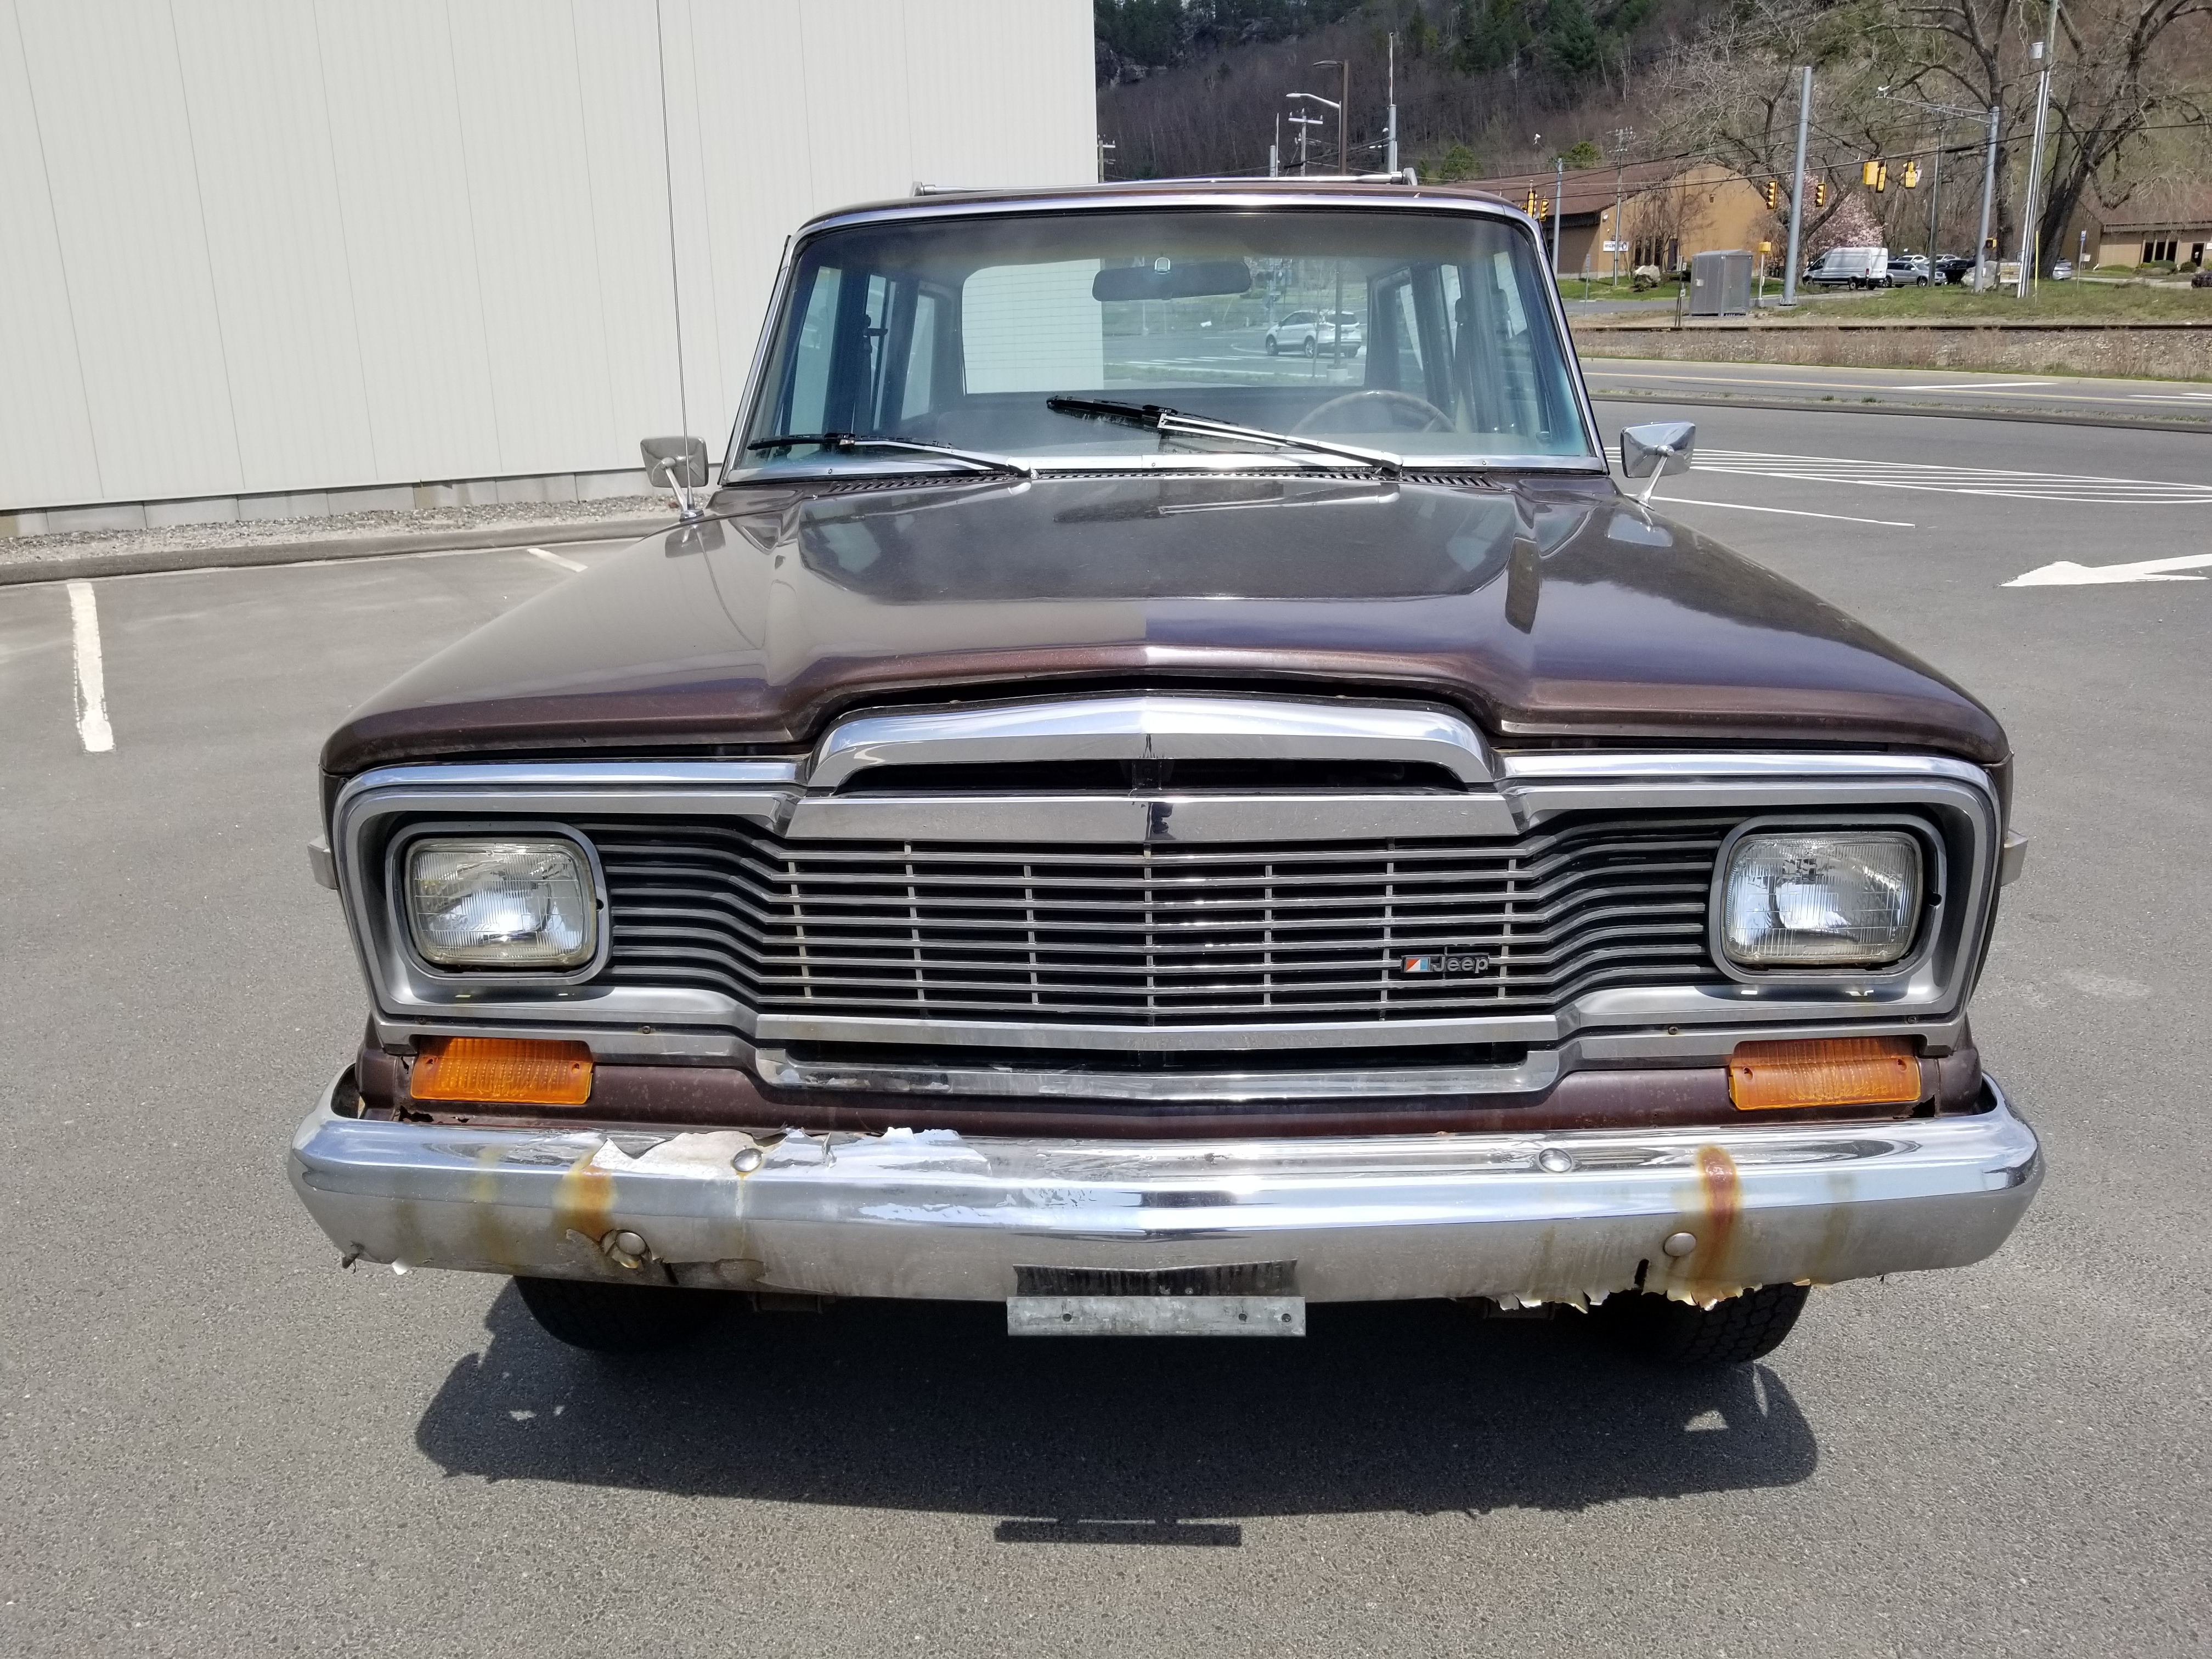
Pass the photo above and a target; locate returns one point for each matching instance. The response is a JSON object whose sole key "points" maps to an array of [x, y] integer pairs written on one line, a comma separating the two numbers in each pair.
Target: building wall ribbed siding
{"points": [[267, 246]]}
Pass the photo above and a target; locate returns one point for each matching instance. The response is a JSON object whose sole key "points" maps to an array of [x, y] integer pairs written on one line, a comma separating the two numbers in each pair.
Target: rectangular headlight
{"points": [[480, 902], [1816, 899]]}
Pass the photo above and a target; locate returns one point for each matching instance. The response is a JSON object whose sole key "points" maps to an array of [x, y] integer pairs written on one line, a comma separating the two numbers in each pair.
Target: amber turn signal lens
{"points": [[1824, 1071], [519, 1070]]}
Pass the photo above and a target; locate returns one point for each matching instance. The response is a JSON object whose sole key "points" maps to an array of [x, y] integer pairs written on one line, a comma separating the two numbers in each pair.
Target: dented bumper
{"points": [[1558, 1217]]}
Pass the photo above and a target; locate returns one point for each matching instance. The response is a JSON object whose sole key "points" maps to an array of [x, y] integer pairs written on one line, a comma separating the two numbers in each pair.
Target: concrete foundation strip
{"points": [[518, 538]]}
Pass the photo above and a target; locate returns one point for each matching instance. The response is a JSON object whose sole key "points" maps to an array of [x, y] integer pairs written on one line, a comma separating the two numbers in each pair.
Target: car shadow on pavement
{"points": [[1408, 1406]]}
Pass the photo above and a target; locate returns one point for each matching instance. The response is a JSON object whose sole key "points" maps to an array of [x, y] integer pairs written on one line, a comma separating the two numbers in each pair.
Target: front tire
{"points": [[606, 1318], [1269, 342], [1734, 1332], [1313, 345]]}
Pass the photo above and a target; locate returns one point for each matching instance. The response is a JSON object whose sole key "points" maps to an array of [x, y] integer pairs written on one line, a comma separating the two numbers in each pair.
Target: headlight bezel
{"points": [[399, 908], [1927, 925]]}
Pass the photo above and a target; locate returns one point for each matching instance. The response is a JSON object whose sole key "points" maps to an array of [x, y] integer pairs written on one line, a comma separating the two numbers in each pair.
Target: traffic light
{"points": [[1912, 175], [1773, 194], [1870, 173], [1820, 193], [1880, 176], [1529, 206]]}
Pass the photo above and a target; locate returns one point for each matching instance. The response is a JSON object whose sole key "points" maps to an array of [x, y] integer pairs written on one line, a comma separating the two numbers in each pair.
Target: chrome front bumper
{"points": [[1531, 1218]]}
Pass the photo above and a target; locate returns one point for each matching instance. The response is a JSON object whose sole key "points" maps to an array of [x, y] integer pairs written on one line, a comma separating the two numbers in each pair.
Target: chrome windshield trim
{"points": [[1147, 727], [1393, 198]]}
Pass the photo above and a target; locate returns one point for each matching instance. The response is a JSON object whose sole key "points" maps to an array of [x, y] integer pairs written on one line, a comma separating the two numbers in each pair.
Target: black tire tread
{"points": [[1734, 1332], [604, 1318]]}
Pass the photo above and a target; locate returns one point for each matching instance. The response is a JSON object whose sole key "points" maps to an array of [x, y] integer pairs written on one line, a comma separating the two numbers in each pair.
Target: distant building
{"points": [[2158, 224], [1667, 213]]}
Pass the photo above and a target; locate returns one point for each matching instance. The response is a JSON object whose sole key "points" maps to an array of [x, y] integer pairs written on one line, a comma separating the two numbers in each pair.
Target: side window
{"points": [[806, 392], [922, 343]]}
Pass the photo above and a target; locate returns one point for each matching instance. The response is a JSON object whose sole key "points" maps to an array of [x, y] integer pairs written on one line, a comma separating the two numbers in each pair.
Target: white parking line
{"points": [[1975, 386], [1794, 512], [91, 727], [1956, 480], [554, 558]]}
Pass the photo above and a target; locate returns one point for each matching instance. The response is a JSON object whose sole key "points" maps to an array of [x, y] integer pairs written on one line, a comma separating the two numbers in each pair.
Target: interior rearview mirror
{"points": [[1657, 450], [679, 462], [1184, 279]]}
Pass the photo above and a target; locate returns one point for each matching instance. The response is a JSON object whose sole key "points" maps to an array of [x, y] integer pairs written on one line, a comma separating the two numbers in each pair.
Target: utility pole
{"points": [[2027, 226], [1300, 120], [1105, 150], [1559, 194], [1390, 120], [1343, 67], [1275, 150], [1798, 187], [1934, 199], [1622, 137]]}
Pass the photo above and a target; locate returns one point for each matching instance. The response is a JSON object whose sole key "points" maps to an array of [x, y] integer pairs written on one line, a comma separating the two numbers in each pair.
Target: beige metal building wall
{"points": [[272, 248]]}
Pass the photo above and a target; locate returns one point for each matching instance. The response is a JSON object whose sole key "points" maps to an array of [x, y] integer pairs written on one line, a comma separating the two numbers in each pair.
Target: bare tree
{"points": [[2118, 66], [1732, 93]]}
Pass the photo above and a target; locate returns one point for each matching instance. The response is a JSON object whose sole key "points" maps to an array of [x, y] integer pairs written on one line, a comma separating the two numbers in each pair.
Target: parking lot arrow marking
{"points": [[91, 727], [2067, 574]]}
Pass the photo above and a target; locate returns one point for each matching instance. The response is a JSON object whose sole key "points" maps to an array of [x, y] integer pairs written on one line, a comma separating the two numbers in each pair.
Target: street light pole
{"points": [[1559, 194], [1343, 67], [1390, 120], [2027, 226], [1798, 186]]}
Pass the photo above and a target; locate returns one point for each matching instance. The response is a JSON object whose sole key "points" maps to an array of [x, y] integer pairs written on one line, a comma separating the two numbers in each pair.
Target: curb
{"points": [[2051, 417], [1907, 324], [23, 572]]}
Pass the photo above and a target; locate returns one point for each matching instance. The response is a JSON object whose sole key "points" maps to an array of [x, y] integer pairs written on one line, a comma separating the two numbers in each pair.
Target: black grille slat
{"points": [[1278, 933]]}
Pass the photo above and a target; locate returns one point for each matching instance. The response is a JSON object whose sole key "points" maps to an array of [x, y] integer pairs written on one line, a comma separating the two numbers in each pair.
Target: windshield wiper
{"points": [[847, 442], [1174, 422]]}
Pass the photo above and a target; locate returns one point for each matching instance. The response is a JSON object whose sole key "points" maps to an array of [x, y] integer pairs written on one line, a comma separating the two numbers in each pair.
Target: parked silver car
{"points": [[1314, 332]]}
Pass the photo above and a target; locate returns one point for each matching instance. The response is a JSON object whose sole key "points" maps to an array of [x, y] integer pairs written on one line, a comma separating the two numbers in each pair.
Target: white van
{"points": [[1859, 267]]}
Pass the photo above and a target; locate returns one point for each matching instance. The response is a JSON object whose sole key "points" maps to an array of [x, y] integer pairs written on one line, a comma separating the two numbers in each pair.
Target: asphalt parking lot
{"points": [[218, 1441]]}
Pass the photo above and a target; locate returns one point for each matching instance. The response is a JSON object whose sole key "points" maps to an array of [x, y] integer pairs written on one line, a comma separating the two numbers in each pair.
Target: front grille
{"points": [[1158, 936]]}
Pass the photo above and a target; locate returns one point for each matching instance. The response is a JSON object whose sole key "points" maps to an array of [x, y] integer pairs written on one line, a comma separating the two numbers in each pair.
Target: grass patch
{"points": [[2081, 301], [1603, 287]]}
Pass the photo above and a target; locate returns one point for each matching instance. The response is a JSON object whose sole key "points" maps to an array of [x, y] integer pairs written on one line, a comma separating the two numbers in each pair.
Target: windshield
{"points": [[1426, 335]]}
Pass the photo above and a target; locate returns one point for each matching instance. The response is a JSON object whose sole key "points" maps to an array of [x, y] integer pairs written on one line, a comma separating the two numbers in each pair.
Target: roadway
{"points": [[218, 1441]]}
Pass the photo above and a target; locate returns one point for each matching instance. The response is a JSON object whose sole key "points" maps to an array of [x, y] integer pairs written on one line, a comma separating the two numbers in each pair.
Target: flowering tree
{"points": [[1851, 225]]}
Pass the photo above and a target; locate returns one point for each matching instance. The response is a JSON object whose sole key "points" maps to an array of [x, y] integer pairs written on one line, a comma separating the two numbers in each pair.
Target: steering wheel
{"points": [[1432, 418]]}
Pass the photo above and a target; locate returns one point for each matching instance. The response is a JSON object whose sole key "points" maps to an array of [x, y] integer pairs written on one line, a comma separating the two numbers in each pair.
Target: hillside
{"points": [[1487, 88], [1483, 86]]}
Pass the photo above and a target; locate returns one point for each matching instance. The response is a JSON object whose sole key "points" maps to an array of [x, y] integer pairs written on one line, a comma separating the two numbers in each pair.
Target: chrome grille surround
{"points": [[1158, 936], [1677, 1020]]}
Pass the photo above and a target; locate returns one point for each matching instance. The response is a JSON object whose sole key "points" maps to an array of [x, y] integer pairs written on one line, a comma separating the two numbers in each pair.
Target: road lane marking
{"points": [[1956, 480], [1975, 386], [1794, 512], [91, 727], [553, 558], [2066, 574]]}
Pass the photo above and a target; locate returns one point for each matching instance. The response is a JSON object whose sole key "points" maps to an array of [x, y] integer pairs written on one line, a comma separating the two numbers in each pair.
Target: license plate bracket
{"points": [[1243, 1299]]}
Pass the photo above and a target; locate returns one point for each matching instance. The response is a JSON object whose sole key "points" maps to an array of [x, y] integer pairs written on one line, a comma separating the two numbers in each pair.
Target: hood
{"points": [[1548, 609]]}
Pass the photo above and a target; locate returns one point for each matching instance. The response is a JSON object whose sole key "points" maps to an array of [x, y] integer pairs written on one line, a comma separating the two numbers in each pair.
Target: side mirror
{"points": [[680, 463], [1658, 450]]}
